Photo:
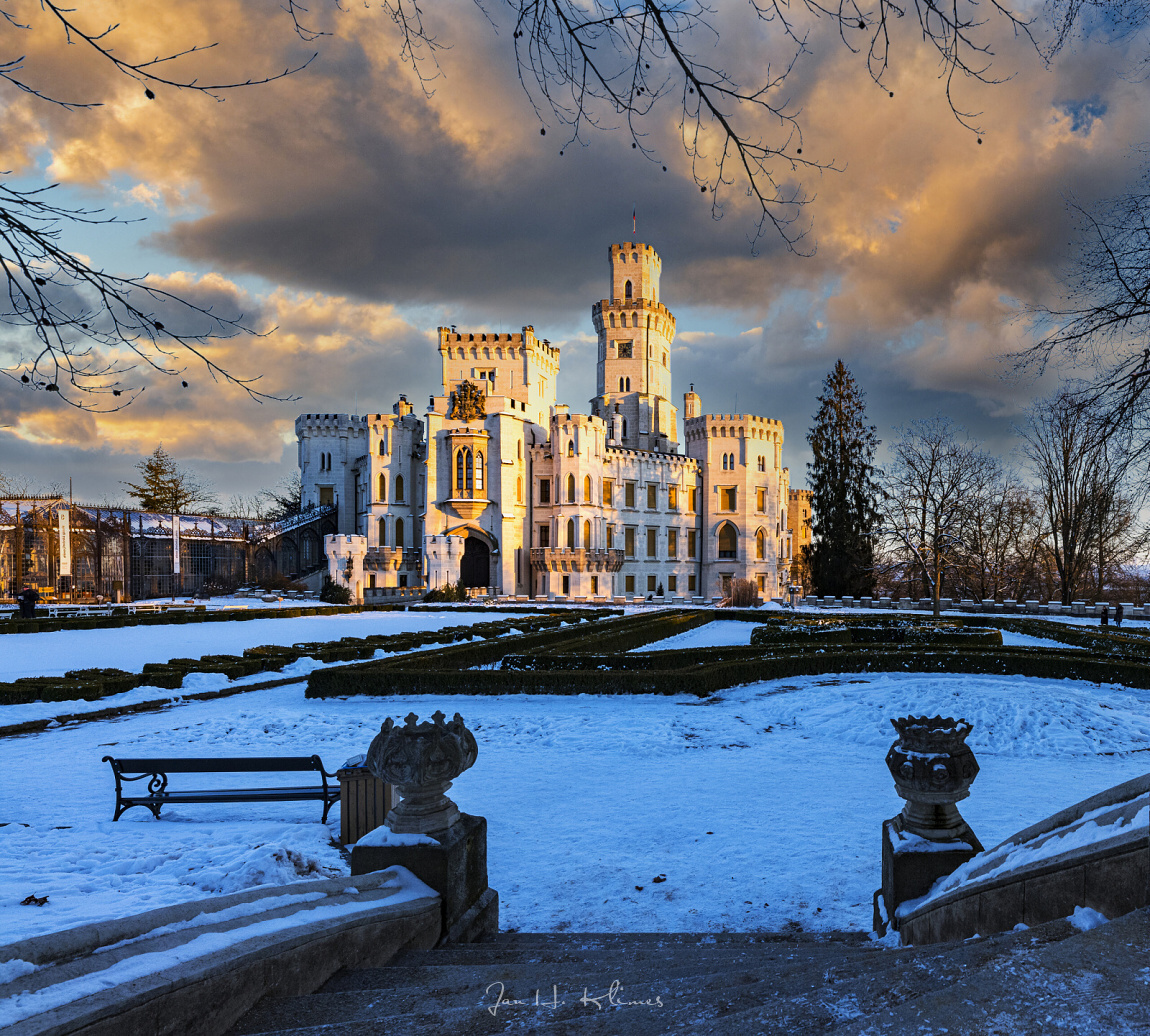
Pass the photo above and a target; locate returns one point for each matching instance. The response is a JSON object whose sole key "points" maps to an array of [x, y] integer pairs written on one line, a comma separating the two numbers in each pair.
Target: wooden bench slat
{"points": [[239, 764]]}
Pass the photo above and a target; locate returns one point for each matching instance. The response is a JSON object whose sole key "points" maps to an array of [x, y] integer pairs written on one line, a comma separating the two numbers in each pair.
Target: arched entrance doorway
{"points": [[475, 565]]}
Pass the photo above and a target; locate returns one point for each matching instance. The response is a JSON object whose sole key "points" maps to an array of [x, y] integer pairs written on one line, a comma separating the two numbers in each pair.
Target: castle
{"points": [[498, 485]]}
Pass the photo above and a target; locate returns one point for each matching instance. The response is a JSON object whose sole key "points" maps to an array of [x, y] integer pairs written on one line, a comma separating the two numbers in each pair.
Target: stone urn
{"points": [[933, 768], [420, 760]]}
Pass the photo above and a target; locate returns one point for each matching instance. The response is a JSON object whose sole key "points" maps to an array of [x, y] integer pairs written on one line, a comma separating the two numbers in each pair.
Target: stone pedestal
{"points": [[456, 868], [911, 864]]}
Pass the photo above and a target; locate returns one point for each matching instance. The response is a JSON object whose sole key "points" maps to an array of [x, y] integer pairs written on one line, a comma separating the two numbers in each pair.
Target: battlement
{"points": [[330, 424], [799, 495], [512, 343], [725, 423]]}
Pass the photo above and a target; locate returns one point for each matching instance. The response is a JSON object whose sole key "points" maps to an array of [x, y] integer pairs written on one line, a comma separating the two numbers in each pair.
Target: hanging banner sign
{"points": [[65, 542]]}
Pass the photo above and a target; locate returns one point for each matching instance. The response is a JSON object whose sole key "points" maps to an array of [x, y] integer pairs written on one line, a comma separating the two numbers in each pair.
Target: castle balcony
{"points": [[562, 559], [392, 559], [465, 505]]}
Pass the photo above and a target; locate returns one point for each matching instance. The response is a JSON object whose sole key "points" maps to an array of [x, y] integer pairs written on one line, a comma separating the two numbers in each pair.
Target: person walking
{"points": [[1119, 612], [1106, 615], [29, 597]]}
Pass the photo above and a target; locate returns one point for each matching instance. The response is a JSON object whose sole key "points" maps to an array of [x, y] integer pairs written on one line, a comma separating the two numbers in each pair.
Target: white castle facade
{"points": [[498, 485]]}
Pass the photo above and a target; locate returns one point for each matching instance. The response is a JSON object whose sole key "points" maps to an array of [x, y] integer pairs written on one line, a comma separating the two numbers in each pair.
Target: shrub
{"points": [[744, 594], [334, 593], [446, 594], [277, 582]]}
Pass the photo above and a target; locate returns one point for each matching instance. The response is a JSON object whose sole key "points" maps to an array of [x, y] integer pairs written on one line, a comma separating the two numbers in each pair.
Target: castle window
{"points": [[608, 492], [570, 533], [570, 489], [728, 541], [468, 471], [399, 533], [629, 494], [761, 503], [399, 494], [673, 498], [612, 319], [762, 463], [624, 428], [628, 384], [519, 490], [634, 257], [545, 535], [479, 472], [760, 544], [723, 432], [666, 360], [382, 448], [383, 532], [651, 584], [672, 544], [724, 462], [629, 541], [586, 535], [623, 319], [652, 542], [587, 489], [652, 497], [460, 464], [610, 537], [672, 584], [727, 498], [620, 384], [545, 490], [570, 447], [692, 546], [474, 352], [519, 449], [627, 293], [382, 488]]}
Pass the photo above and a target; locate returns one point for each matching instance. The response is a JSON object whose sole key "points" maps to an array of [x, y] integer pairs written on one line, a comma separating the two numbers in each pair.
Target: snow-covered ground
{"points": [[760, 807], [53, 654]]}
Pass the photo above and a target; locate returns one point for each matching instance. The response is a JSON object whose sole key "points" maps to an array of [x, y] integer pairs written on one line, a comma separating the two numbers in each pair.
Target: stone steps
{"points": [[1091, 982]]}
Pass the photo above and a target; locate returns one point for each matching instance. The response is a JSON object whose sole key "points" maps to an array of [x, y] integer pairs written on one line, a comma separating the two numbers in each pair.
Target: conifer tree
{"points": [[844, 512], [167, 488]]}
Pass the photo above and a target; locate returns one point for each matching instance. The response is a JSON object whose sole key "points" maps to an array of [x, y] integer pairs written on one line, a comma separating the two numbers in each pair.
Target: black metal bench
{"points": [[156, 772]]}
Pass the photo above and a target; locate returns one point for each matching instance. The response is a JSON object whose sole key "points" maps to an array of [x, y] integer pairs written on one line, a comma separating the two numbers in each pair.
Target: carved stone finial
{"points": [[420, 760], [468, 402], [933, 768]]}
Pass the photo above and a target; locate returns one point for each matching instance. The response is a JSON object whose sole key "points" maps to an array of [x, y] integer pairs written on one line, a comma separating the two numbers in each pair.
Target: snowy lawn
{"points": [[128, 648], [760, 807]]}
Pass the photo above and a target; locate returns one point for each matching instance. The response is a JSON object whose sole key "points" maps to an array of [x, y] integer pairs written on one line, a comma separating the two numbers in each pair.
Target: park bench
{"points": [[157, 771]]}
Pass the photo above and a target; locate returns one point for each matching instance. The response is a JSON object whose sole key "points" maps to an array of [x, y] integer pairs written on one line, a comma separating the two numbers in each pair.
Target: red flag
{"points": [[633, 211]]}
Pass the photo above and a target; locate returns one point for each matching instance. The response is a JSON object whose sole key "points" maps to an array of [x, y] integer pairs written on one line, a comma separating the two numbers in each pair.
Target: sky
{"points": [[349, 209]]}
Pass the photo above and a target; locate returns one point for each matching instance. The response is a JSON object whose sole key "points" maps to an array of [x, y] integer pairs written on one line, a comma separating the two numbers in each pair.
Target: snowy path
{"points": [[760, 808]]}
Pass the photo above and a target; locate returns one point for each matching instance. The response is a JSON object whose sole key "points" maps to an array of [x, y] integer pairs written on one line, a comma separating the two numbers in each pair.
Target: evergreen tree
{"points": [[844, 512], [167, 488]]}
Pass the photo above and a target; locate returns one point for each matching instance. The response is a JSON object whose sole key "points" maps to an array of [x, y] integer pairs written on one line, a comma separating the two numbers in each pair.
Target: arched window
{"points": [[382, 447], [519, 449], [612, 319], [760, 544], [724, 462], [570, 533], [399, 532], [479, 473], [586, 535], [728, 541], [570, 447], [628, 384], [624, 428], [627, 293], [383, 532], [587, 489], [382, 487], [460, 462], [519, 490], [399, 492], [468, 473], [570, 489]]}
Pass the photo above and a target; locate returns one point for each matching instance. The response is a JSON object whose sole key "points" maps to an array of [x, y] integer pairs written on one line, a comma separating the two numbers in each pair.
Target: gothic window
{"points": [[382, 448], [399, 491], [724, 462], [612, 319], [728, 541], [586, 535], [628, 384], [399, 533], [382, 488], [383, 532], [479, 472], [570, 533], [587, 489], [627, 293], [570, 489], [545, 491], [519, 449], [519, 490], [460, 463], [620, 384], [624, 428], [468, 472], [762, 463], [760, 544], [570, 447]]}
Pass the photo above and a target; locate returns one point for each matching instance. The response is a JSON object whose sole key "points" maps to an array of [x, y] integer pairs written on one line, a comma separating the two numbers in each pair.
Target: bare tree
{"points": [[88, 328], [1081, 465], [934, 473]]}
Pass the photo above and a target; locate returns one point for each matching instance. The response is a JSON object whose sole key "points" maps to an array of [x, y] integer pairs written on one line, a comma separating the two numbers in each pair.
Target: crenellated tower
{"points": [[633, 374]]}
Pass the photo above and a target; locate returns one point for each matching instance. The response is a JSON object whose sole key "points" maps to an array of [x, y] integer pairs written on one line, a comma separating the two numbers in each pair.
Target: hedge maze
{"points": [[603, 657], [600, 652]]}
